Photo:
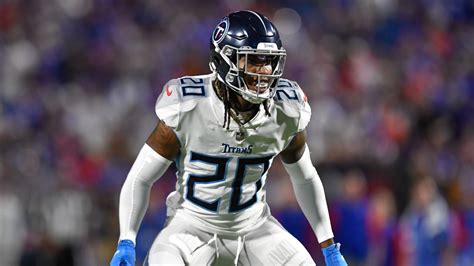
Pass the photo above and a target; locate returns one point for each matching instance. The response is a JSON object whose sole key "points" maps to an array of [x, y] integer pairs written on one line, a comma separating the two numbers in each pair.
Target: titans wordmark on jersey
{"points": [[221, 177]]}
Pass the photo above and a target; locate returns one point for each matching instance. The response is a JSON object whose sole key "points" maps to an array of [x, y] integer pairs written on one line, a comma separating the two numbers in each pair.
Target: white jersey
{"points": [[221, 177]]}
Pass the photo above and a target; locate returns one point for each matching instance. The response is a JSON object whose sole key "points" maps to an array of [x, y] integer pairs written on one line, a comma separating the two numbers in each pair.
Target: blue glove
{"points": [[125, 254], [333, 257]]}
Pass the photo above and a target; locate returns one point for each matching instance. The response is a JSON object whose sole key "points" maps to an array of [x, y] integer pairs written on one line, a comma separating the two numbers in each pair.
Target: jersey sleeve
{"points": [[305, 109], [167, 107]]}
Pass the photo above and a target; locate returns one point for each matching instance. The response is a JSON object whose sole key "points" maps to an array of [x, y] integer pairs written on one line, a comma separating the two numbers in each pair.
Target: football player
{"points": [[223, 130]]}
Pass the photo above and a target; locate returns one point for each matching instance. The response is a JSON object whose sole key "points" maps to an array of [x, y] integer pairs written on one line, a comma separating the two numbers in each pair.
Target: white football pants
{"points": [[180, 243]]}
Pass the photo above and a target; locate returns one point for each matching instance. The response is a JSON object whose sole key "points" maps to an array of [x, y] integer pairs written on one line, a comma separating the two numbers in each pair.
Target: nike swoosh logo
{"points": [[168, 91]]}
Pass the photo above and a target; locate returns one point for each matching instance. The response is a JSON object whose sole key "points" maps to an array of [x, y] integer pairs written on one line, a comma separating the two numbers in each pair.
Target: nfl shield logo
{"points": [[220, 31]]}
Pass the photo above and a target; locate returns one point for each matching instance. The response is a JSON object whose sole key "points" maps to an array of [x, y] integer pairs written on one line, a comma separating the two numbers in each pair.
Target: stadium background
{"points": [[391, 85]]}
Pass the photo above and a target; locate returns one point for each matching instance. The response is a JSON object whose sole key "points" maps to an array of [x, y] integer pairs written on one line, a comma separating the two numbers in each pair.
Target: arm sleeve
{"points": [[309, 193], [148, 167]]}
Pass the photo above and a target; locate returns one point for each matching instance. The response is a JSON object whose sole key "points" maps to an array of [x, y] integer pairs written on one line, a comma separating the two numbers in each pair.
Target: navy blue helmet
{"points": [[242, 38]]}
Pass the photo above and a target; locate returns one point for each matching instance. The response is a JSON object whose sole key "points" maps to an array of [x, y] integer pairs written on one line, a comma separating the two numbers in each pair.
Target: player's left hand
{"points": [[333, 257]]}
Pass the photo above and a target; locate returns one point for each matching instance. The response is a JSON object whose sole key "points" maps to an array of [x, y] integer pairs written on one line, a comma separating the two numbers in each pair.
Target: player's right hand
{"points": [[125, 254]]}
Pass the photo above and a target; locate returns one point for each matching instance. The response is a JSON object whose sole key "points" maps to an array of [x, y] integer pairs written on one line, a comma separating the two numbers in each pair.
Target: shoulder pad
{"points": [[289, 91], [292, 101], [182, 90], [179, 95]]}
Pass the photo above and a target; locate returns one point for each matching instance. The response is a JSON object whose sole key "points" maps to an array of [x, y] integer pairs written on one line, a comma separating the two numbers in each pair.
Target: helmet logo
{"points": [[221, 30]]}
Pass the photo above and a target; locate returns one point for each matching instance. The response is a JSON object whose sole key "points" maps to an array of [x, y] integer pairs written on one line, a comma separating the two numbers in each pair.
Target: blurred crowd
{"points": [[390, 82]]}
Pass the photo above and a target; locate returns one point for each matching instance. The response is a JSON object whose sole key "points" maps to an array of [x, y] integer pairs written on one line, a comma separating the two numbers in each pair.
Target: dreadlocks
{"points": [[230, 108]]}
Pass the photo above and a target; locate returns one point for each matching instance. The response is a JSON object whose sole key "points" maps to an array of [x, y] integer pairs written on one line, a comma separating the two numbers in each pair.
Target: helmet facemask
{"points": [[253, 86]]}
